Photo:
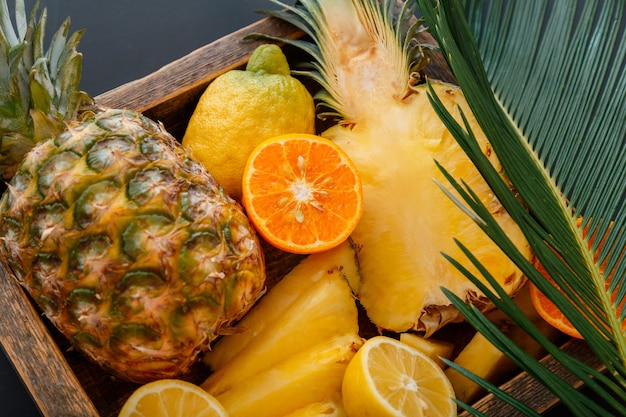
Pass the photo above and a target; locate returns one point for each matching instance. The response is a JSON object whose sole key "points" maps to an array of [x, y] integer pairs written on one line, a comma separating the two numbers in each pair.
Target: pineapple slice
{"points": [[434, 349], [325, 309], [291, 349], [312, 375], [327, 271], [483, 359], [332, 407]]}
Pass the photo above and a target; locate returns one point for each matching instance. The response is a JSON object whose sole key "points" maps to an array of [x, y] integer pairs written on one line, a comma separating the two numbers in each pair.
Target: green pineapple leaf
{"points": [[545, 80], [39, 90]]}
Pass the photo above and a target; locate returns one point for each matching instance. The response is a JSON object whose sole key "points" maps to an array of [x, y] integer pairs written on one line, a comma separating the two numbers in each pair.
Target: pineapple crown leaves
{"points": [[395, 30], [545, 82], [38, 87]]}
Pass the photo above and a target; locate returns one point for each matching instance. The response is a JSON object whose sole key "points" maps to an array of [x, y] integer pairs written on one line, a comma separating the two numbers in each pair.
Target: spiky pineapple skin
{"points": [[128, 246]]}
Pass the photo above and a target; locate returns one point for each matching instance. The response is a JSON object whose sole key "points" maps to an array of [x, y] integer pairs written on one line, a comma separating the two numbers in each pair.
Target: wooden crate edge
{"points": [[195, 70], [36, 357]]}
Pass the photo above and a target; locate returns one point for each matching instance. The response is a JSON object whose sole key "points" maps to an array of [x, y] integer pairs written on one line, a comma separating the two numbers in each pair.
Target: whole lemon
{"points": [[240, 109]]}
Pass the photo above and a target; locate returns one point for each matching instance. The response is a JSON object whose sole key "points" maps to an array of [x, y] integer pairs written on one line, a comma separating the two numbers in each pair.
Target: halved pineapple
{"points": [[368, 71]]}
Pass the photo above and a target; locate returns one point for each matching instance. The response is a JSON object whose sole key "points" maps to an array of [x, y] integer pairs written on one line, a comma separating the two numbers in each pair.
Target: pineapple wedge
{"points": [[291, 349], [434, 349], [312, 375], [321, 311], [333, 407], [485, 360], [329, 271]]}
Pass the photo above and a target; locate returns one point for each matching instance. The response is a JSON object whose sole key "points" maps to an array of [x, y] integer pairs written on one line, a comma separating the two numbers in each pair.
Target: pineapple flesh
{"points": [[367, 69], [127, 245], [312, 375], [332, 407], [289, 353], [431, 347]]}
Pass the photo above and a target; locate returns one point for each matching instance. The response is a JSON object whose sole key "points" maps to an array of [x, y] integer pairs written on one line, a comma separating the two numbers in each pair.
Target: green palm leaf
{"points": [[546, 82]]}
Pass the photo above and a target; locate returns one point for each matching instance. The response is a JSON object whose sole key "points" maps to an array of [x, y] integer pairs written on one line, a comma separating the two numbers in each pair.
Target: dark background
{"points": [[126, 40]]}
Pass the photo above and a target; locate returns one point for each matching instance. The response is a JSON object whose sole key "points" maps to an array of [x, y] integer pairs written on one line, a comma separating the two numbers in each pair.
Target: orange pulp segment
{"points": [[302, 193], [548, 310]]}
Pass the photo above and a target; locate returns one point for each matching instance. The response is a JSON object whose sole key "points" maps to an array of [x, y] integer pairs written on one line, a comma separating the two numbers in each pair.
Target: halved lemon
{"points": [[389, 378], [171, 398]]}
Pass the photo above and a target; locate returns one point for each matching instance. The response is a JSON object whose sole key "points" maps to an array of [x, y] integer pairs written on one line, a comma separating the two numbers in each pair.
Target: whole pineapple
{"points": [[126, 244], [368, 62]]}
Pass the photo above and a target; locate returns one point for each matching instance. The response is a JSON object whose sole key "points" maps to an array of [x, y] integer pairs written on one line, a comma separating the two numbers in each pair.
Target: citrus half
{"points": [[548, 310], [302, 193], [389, 378], [171, 398]]}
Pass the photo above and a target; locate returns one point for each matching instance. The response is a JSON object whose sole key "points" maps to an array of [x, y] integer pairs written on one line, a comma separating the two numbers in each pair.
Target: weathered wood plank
{"points": [[36, 357], [169, 94], [528, 390]]}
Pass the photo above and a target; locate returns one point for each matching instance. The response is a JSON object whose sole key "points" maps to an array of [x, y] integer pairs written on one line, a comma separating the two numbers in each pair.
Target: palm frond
{"points": [[545, 81]]}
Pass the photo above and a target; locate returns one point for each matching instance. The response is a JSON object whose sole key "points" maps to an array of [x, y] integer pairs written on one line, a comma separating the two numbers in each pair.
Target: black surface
{"points": [[126, 40]]}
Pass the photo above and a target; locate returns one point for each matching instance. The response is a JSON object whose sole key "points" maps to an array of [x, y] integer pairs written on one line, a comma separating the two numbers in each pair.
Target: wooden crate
{"points": [[59, 379]]}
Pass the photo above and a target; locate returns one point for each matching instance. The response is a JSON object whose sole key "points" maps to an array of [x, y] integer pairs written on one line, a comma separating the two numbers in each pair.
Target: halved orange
{"points": [[302, 193], [548, 310]]}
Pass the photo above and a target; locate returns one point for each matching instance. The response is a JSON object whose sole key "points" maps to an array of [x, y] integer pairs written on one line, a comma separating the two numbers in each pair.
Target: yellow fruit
{"points": [[433, 348], [481, 358], [311, 375], [332, 407], [334, 266], [327, 308], [291, 350], [171, 398], [390, 131], [240, 109], [389, 378]]}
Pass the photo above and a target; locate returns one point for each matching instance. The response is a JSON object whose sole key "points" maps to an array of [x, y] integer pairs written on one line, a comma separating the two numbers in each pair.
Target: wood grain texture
{"points": [[169, 95], [527, 390], [36, 357]]}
